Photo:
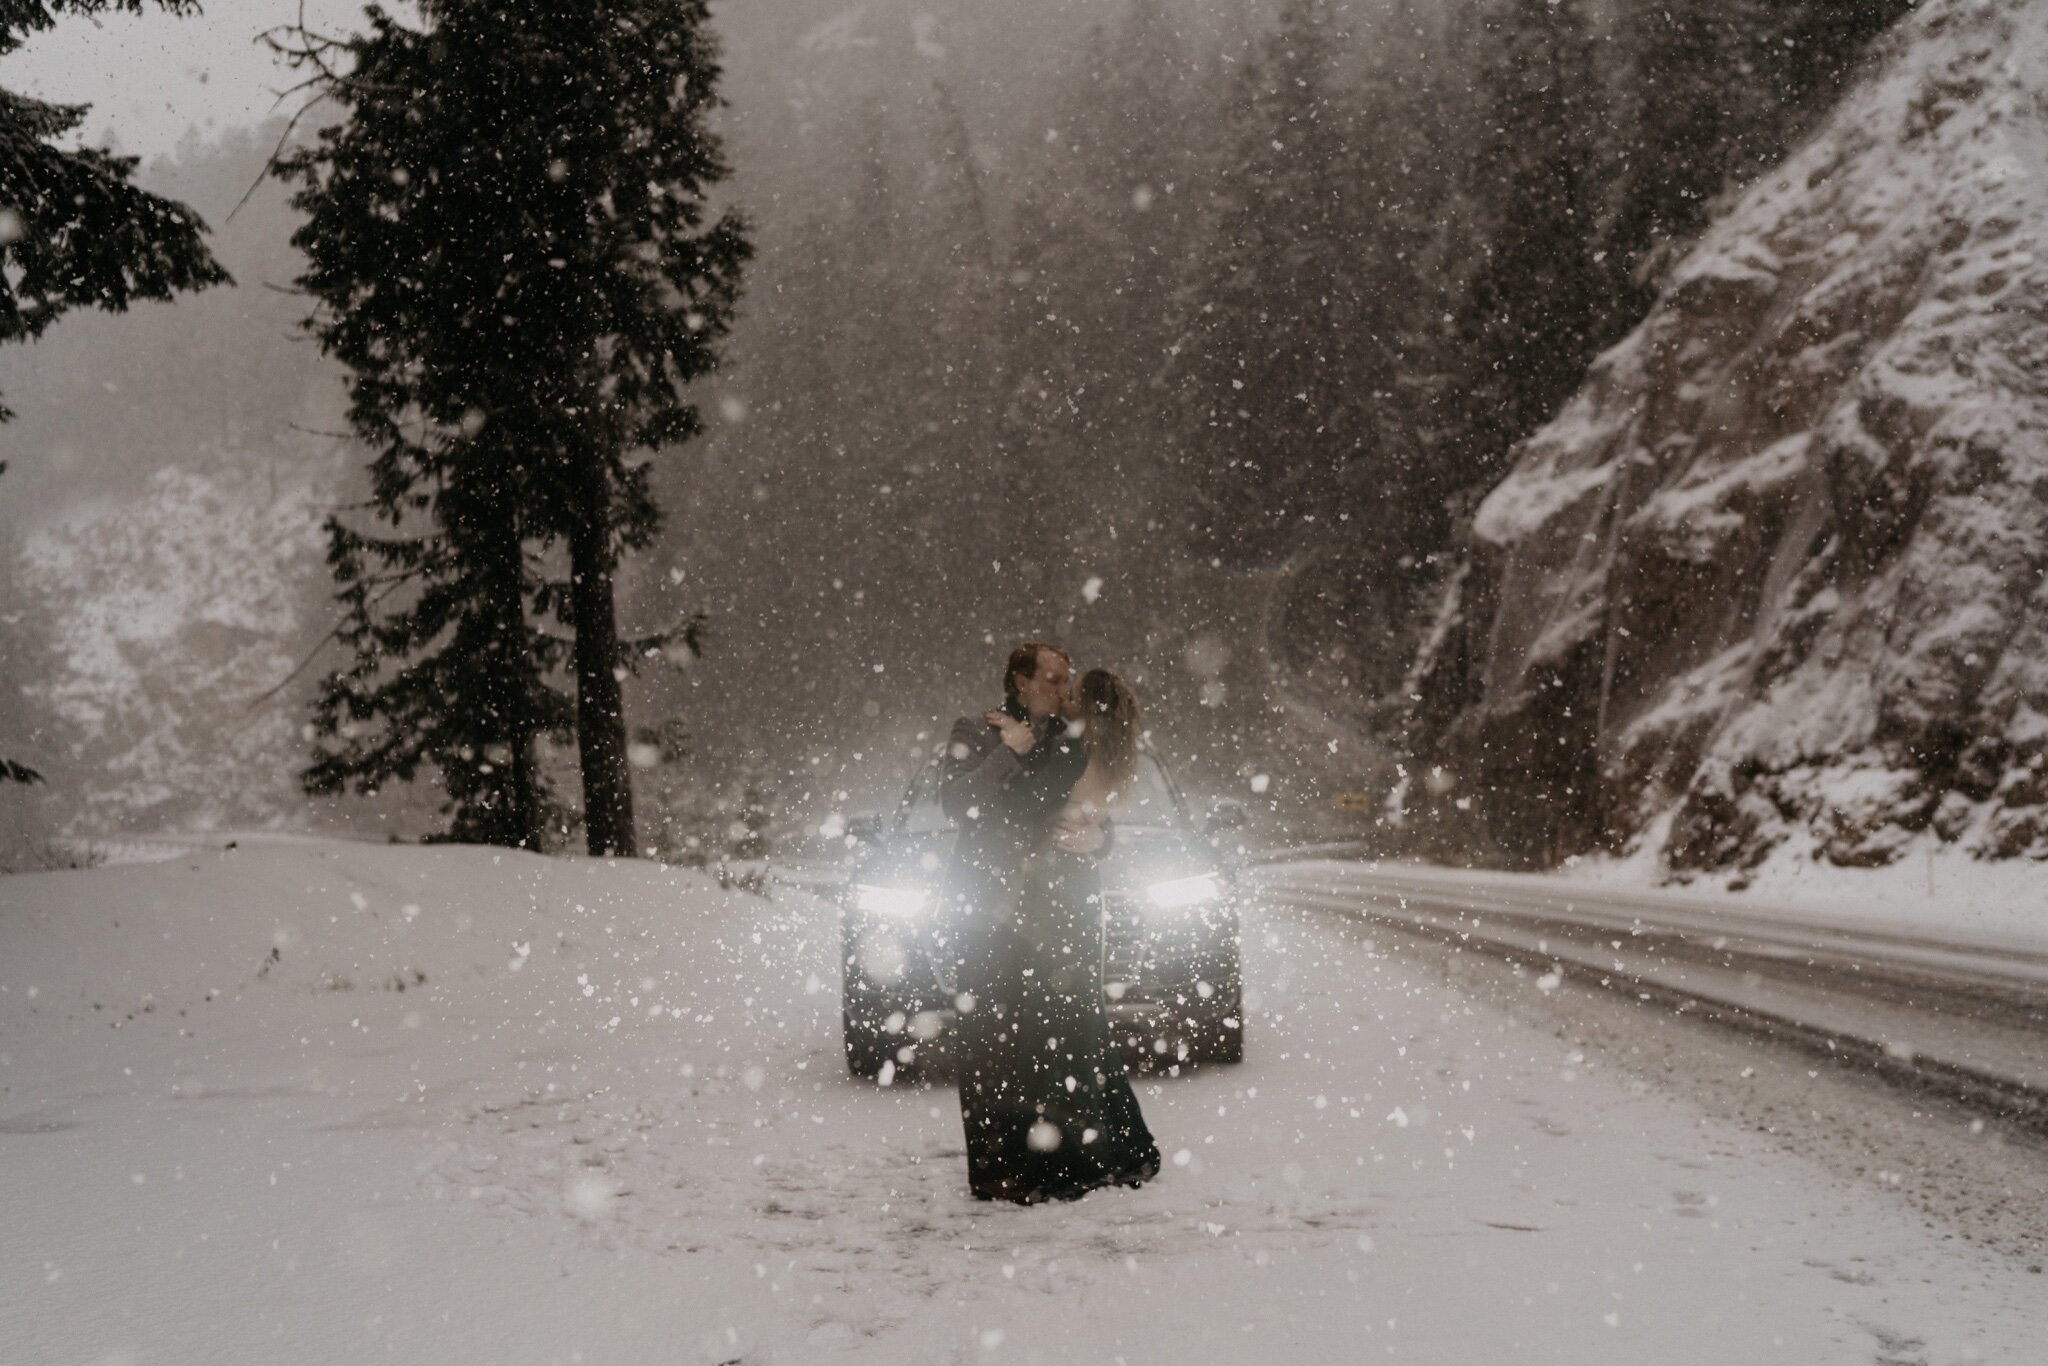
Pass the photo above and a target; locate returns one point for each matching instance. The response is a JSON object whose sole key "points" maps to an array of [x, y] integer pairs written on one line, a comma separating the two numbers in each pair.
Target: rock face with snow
{"points": [[1777, 570], [176, 621]]}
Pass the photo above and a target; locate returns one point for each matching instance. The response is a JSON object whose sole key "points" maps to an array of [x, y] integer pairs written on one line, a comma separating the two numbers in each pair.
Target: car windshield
{"points": [[1150, 801]]}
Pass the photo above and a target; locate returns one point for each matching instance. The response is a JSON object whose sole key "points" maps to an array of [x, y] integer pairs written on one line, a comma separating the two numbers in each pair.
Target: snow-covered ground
{"points": [[325, 1102]]}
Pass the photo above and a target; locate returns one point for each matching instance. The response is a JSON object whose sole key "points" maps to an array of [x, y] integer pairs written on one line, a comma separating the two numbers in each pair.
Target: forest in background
{"points": [[1183, 333], [1200, 369]]}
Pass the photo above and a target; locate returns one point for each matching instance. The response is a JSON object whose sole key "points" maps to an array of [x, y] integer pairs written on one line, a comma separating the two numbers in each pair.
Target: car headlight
{"points": [[1180, 893], [894, 901]]}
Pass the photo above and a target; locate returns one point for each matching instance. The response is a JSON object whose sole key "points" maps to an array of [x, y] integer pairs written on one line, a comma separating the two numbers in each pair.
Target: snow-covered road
{"points": [[1953, 1014], [606, 1121]]}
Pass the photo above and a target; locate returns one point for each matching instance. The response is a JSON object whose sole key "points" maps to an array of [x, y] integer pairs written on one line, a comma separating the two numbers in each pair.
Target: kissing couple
{"points": [[1033, 786]]}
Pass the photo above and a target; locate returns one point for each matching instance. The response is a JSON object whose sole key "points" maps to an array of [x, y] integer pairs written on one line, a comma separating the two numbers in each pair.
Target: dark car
{"points": [[1173, 985]]}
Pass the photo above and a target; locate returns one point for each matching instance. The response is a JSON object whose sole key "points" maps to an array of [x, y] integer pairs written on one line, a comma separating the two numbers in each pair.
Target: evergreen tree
{"points": [[966, 371], [74, 232], [1543, 301], [1582, 197], [798, 373], [1417, 255], [1694, 110], [896, 431], [753, 810], [1099, 238], [511, 244], [881, 372], [1284, 362], [1124, 165], [1814, 44], [1709, 92], [675, 796], [471, 696], [956, 235]]}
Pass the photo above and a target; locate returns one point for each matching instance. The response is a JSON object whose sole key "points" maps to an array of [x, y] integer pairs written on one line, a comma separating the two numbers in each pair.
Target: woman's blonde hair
{"points": [[1109, 719]]}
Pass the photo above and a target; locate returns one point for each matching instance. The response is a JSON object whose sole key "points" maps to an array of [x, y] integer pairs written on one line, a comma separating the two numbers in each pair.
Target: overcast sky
{"points": [[149, 78]]}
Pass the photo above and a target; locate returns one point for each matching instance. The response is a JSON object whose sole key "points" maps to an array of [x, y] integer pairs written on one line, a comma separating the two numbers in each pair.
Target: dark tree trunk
{"points": [[600, 708], [526, 812], [527, 816], [519, 824]]}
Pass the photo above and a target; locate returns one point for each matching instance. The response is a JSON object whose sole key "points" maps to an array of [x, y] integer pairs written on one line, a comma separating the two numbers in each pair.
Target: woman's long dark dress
{"points": [[1047, 1108]]}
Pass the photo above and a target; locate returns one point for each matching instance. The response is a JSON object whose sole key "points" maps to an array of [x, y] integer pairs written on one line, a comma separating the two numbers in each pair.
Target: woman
{"points": [[1048, 1110]]}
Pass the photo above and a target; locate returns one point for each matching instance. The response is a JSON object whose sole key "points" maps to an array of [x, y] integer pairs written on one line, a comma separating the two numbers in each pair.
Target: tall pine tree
{"points": [[1544, 298], [966, 370], [1815, 43], [1283, 363], [455, 601], [1693, 111], [1099, 239], [75, 232], [512, 246]]}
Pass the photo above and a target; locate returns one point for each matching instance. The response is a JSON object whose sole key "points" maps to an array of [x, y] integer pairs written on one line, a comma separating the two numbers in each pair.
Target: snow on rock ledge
{"points": [[1780, 563]]}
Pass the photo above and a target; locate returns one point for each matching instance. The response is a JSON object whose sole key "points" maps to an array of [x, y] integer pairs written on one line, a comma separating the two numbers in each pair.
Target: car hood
{"points": [[1139, 856], [1144, 854]]}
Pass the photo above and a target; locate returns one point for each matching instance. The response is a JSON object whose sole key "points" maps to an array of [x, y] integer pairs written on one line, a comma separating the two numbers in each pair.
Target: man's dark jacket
{"points": [[1004, 804]]}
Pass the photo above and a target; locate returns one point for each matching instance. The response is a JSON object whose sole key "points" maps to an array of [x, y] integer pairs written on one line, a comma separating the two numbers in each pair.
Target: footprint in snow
{"points": [[1689, 1204]]}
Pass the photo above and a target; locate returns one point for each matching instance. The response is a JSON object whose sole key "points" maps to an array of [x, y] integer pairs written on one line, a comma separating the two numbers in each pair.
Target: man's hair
{"points": [[1024, 660]]}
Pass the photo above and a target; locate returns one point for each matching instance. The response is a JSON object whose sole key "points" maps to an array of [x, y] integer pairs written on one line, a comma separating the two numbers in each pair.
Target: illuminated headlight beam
{"points": [[1183, 892], [893, 901]]}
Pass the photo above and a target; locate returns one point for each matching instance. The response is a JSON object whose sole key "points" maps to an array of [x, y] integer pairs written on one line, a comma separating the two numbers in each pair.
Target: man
{"points": [[1004, 773], [985, 757]]}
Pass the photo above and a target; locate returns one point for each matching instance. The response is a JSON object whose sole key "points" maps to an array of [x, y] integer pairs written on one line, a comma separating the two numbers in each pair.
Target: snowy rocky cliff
{"points": [[1779, 571]]}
